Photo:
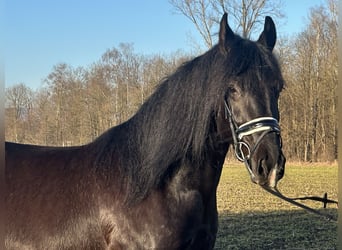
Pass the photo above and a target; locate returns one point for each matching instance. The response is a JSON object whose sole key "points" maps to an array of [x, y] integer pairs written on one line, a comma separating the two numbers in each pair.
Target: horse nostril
{"points": [[260, 169], [262, 165]]}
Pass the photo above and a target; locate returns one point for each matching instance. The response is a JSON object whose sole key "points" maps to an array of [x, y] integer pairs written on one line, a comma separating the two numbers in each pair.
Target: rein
{"points": [[325, 200]]}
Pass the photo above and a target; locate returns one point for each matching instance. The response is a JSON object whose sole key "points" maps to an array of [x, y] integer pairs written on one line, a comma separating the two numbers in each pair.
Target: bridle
{"points": [[264, 125], [243, 152]]}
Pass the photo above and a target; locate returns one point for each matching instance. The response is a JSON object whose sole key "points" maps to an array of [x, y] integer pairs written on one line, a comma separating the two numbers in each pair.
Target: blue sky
{"points": [[42, 33]]}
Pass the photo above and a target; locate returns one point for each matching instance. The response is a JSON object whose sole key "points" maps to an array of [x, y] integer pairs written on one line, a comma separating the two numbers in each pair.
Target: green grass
{"points": [[251, 218]]}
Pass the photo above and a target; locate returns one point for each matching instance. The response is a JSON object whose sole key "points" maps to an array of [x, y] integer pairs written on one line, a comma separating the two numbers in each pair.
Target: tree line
{"points": [[76, 105]]}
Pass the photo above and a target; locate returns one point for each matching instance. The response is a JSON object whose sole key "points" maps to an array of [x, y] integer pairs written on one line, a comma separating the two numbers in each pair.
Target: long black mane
{"points": [[174, 125]]}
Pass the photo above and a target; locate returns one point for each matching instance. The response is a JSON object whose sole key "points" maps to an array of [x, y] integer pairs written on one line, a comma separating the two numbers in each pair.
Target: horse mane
{"points": [[173, 125]]}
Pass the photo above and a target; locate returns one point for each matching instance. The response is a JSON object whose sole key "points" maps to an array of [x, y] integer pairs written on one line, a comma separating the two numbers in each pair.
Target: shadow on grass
{"points": [[295, 229]]}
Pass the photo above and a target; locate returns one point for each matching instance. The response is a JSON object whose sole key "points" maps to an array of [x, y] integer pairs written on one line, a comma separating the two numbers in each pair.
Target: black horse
{"points": [[150, 183]]}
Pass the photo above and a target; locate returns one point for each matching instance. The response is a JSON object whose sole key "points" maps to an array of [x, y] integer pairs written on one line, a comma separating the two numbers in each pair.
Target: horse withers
{"points": [[150, 182]]}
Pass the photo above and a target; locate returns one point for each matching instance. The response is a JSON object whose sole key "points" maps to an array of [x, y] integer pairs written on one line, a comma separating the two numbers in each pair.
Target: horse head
{"points": [[250, 102]]}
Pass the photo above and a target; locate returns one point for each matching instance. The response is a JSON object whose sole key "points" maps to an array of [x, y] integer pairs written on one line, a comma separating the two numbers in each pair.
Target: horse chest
{"points": [[157, 223]]}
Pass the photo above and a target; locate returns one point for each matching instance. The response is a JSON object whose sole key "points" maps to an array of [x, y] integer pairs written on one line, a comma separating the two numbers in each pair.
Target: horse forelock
{"points": [[253, 65]]}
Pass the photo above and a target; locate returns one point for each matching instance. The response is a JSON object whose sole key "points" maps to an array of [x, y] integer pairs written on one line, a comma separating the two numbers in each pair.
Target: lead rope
{"points": [[277, 193]]}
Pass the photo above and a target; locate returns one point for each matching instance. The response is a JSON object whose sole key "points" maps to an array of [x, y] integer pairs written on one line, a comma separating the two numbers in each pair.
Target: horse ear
{"points": [[225, 35], [269, 35]]}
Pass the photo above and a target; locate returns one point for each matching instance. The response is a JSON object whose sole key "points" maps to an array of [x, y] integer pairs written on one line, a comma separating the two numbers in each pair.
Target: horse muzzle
{"points": [[269, 178]]}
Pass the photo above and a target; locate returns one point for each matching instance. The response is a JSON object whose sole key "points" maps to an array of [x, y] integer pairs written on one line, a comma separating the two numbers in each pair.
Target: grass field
{"points": [[251, 218]]}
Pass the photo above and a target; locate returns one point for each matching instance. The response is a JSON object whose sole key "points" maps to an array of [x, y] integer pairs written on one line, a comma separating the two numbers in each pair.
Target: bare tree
{"points": [[123, 67], [250, 14], [309, 64], [246, 15], [44, 110], [65, 86], [201, 14], [19, 99], [100, 101]]}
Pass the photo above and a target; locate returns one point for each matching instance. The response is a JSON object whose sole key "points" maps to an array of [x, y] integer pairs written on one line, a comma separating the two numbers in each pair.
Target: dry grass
{"points": [[251, 218]]}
